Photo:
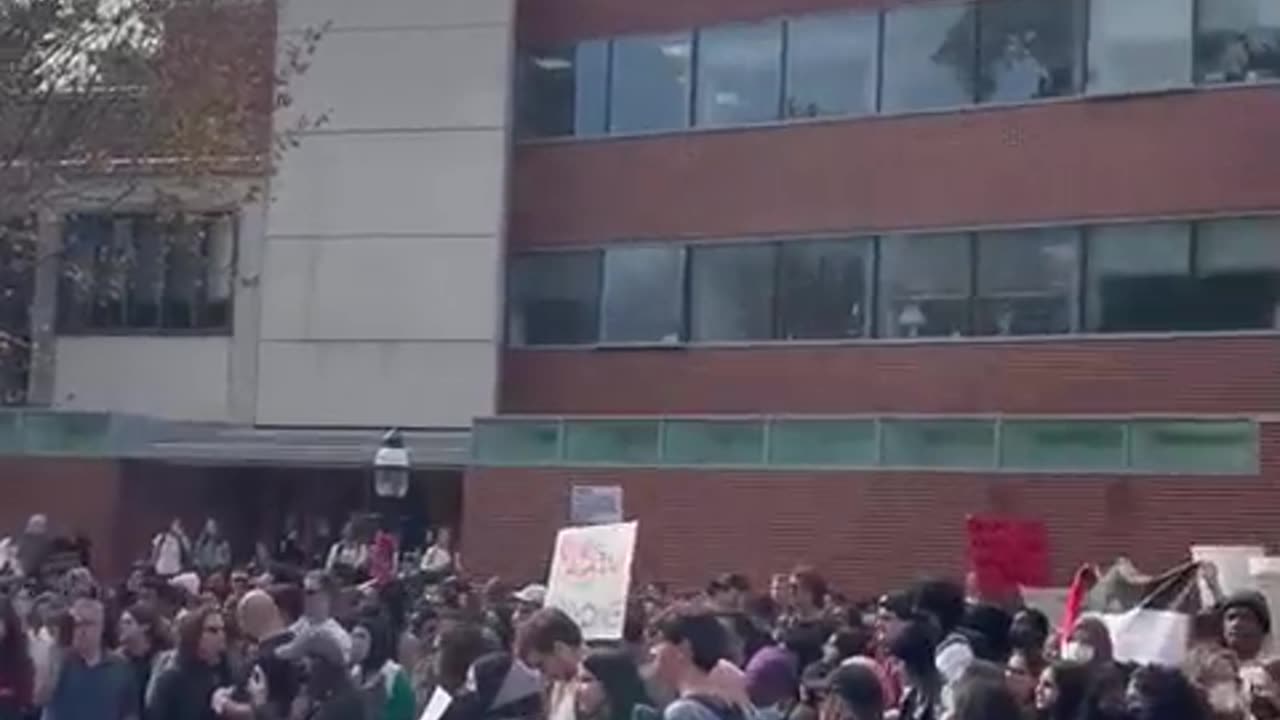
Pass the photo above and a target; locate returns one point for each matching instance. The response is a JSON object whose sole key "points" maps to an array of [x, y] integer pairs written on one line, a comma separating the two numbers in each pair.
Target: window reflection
{"points": [[1030, 49], [1238, 40], [739, 74], [928, 57], [1139, 44], [651, 83], [832, 64]]}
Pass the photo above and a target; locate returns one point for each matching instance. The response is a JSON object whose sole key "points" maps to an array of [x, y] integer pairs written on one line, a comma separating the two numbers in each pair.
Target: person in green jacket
{"points": [[386, 685]]}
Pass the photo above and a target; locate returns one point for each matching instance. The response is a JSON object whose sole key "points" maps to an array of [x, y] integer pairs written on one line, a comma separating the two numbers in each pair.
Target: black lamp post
{"points": [[391, 467]]}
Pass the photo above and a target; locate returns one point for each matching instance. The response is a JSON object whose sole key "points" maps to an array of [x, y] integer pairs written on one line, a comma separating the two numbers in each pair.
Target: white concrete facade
{"points": [[369, 284]]}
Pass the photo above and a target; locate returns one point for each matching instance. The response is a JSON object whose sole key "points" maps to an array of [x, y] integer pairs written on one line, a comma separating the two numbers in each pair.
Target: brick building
{"points": [[815, 279]]}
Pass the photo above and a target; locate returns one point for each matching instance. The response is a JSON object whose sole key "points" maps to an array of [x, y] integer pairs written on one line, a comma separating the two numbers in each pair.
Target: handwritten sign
{"points": [[1007, 552], [591, 575]]}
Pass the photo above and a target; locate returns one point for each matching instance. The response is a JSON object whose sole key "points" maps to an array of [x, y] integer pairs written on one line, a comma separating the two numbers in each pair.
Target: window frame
{"points": [[691, 35], [81, 327], [681, 290]]}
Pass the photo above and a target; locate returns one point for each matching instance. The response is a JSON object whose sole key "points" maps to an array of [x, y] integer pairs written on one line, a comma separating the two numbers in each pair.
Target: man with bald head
{"points": [[260, 619]]}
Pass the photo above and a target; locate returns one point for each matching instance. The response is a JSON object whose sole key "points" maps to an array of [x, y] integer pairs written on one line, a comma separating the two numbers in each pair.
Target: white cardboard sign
{"points": [[591, 576]]}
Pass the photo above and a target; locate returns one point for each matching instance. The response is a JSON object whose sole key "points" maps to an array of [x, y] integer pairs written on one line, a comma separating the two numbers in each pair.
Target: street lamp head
{"points": [[391, 466]]}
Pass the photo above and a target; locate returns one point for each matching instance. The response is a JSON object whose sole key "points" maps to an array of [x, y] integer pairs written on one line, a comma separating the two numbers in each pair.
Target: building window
{"points": [[713, 442], [651, 83], [925, 285], [1062, 445], [1237, 41], [143, 273], [643, 299], [832, 65], [1195, 447], [928, 57], [824, 289], [739, 74], [624, 442], [732, 292], [516, 443], [1030, 49], [1238, 267], [1140, 278], [563, 91], [823, 443], [1139, 45], [553, 299], [939, 443], [1027, 282]]}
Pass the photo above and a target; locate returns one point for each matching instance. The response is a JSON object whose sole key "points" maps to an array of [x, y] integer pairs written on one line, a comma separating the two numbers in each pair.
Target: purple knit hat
{"points": [[772, 676]]}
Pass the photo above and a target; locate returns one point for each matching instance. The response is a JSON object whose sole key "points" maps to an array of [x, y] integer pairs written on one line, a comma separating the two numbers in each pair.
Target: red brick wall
{"points": [[1206, 375], [1202, 152], [77, 495], [869, 531]]}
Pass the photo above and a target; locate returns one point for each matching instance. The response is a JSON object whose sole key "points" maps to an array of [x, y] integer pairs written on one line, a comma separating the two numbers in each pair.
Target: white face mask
{"points": [[1077, 652]]}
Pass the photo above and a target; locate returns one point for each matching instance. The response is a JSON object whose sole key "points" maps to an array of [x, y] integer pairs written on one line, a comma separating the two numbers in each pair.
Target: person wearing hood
{"points": [[773, 682], [1246, 623], [498, 688], [327, 691]]}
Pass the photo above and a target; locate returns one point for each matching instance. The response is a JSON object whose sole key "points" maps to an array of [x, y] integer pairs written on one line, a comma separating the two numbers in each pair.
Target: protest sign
{"points": [[591, 575], [1231, 568], [595, 504], [1005, 553]]}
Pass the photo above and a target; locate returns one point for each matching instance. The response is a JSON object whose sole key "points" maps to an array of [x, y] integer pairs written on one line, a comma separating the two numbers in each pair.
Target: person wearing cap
{"points": [[529, 600], [1246, 623], [328, 692]]}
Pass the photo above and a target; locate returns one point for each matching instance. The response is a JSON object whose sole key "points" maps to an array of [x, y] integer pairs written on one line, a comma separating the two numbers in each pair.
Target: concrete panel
{"points": [[443, 183], [376, 384], [180, 378], [407, 80], [348, 14], [381, 289]]}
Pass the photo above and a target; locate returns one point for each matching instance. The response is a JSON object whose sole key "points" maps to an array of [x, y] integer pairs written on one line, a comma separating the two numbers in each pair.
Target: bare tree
{"points": [[99, 98]]}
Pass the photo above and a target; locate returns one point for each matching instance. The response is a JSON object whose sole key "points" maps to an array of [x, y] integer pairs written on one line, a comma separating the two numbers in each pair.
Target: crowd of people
{"points": [[323, 634]]}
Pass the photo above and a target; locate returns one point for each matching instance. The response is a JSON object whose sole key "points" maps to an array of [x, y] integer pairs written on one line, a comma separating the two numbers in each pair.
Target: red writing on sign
{"points": [[581, 560]]}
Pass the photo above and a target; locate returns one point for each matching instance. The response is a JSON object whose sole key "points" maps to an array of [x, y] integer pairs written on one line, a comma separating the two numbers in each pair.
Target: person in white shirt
{"points": [[439, 559], [317, 613], [170, 550]]}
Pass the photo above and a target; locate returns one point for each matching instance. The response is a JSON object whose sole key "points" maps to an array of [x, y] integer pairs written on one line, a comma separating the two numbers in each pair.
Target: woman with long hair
{"points": [[17, 672], [609, 687], [384, 682], [143, 638], [185, 690]]}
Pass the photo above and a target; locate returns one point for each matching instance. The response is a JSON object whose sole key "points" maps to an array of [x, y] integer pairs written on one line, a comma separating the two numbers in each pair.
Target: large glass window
{"points": [[629, 442], [1140, 278], [832, 64], [1030, 49], [1195, 446], [651, 83], [823, 443], [739, 74], [1237, 40], [925, 283], [732, 292], [1139, 44], [824, 289], [643, 295], [939, 443], [928, 57], [1238, 265], [1027, 281], [516, 443], [563, 91], [1062, 445], [713, 442], [554, 299], [140, 272]]}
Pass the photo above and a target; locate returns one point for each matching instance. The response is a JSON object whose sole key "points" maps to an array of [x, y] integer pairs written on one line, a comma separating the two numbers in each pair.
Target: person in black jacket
{"points": [[328, 692], [185, 691]]}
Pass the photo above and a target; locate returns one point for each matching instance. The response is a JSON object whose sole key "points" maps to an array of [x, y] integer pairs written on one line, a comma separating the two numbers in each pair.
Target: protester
{"points": [[982, 694], [1157, 693], [349, 557], [143, 639], [551, 643], [212, 552], [1062, 691], [185, 691], [171, 550], [438, 560], [1246, 623], [912, 647], [17, 671], [529, 600], [328, 692], [609, 687], [34, 545], [690, 644], [91, 683], [773, 682], [853, 692], [728, 593], [499, 688], [261, 621], [319, 590], [384, 682]]}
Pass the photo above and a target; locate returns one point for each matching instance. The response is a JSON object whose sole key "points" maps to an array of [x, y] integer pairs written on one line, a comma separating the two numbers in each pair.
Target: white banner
{"points": [[591, 576], [1231, 565]]}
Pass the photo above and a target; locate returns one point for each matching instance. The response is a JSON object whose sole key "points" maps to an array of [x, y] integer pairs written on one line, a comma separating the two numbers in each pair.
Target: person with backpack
{"points": [[691, 644]]}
